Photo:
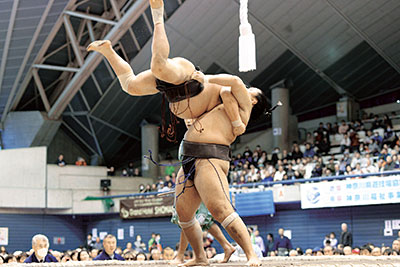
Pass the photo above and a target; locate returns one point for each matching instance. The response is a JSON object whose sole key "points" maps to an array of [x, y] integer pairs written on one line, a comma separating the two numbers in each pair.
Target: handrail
{"points": [[253, 185]]}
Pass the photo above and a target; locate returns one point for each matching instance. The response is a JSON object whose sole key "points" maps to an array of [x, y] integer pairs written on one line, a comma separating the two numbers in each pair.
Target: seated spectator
{"points": [[347, 251], [309, 153], [130, 169], [124, 172], [376, 252], [129, 256], [324, 146], [328, 251], [110, 245], [155, 254], [296, 153], [10, 259], [354, 141], [140, 257], [83, 255], [279, 174], [140, 246], [3, 251], [40, 246], [80, 162], [396, 245], [60, 161], [343, 128], [137, 172], [309, 138], [387, 121], [111, 171], [331, 130], [389, 165], [93, 253], [376, 124], [168, 254], [358, 126], [345, 143], [97, 244]]}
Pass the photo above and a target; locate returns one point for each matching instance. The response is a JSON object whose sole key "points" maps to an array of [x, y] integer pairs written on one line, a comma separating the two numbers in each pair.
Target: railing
{"points": [[265, 184]]}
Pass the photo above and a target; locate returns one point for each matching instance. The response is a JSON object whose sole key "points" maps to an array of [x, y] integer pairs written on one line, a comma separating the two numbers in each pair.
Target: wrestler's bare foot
{"points": [[195, 262], [154, 4], [228, 253], [101, 46], [254, 262]]}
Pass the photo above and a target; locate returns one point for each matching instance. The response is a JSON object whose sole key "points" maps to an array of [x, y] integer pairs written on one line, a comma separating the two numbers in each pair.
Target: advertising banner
{"points": [[352, 192], [146, 207]]}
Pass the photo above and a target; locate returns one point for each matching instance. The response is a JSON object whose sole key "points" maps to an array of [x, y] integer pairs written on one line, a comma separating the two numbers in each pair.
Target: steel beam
{"points": [[79, 138], [41, 90], [89, 17], [114, 127], [53, 67], [7, 42], [94, 136], [299, 54], [363, 35], [27, 55], [74, 42], [40, 56], [93, 59]]}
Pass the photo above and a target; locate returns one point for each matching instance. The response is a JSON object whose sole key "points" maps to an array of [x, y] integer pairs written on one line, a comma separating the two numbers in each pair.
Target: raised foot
{"points": [[154, 4], [195, 262], [254, 262], [99, 46], [227, 254]]}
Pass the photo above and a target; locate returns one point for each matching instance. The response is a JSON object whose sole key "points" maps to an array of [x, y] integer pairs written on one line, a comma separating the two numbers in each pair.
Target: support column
{"points": [[347, 109], [149, 142], [280, 118]]}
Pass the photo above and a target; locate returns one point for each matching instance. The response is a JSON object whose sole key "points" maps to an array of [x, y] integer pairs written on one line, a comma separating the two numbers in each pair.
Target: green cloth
{"points": [[169, 170], [202, 215]]}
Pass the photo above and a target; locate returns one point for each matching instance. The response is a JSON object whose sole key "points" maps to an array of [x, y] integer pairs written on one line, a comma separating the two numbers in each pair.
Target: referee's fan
{"points": [[40, 246]]}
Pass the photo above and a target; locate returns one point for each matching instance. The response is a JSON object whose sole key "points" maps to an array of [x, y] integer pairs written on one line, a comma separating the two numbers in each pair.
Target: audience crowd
{"points": [[272, 246]]}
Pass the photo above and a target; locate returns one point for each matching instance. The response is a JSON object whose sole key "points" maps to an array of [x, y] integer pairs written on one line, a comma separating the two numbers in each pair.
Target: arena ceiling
{"points": [[327, 48]]}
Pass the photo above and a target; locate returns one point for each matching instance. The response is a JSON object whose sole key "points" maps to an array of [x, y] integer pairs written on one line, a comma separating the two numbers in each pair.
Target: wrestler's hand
{"points": [[198, 76], [239, 130]]}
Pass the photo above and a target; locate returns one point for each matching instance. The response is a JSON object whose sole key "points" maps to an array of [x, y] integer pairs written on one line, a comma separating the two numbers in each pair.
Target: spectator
{"points": [[10, 259], [376, 252], [128, 247], [309, 153], [60, 161], [80, 162], [155, 254], [151, 240], [387, 121], [130, 169], [332, 238], [376, 123], [140, 257], [40, 246], [389, 165], [83, 255], [282, 244], [347, 251], [1, 259], [139, 245], [110, 245], [343, 128], [93, 253], [259, 241], [324, 146], [137, 172], [279, 174], [346, 238], [396, 246], [345, 143], [309, 138], [111, 171], [129, 256], [168, 254], [3, 251], [97, 245], [328, 251], [89, 242], [124, 172], [296, 153]]}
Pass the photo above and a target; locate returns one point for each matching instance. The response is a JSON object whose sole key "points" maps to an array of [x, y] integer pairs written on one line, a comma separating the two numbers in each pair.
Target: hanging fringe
{"points": [[247, 41]]}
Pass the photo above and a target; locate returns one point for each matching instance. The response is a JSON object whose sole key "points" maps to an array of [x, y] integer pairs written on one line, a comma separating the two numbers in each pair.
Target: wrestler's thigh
{"points": [[176, 70], [212, 185], [187, 202], [145, 83]]}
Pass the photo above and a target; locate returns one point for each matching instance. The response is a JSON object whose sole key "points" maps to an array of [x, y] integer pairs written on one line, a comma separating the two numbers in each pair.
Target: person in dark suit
{"points": [[109, 244], [346, 238], [40, 246]]}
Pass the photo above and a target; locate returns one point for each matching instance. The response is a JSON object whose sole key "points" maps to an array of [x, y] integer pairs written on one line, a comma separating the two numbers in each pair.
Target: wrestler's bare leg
{"points": [[180, 255], [214, 192], [142, 84], [186, 206], [176, 70], [219, 236]]}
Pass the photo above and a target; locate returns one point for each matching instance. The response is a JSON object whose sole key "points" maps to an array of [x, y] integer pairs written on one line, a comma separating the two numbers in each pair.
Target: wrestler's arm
{"points": [[231, 107], [238, 89]]}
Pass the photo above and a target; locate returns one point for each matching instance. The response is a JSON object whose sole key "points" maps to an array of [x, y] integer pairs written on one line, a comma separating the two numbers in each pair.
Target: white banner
{"points": [[4, 236], [352, 192]]}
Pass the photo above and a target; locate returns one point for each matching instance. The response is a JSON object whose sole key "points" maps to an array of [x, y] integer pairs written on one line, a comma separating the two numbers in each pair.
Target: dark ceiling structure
{"points": [[327, 48]]}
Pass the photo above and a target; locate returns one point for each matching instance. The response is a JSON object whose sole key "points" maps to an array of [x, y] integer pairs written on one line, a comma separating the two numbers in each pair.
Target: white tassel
{"points": [[247, 41]]}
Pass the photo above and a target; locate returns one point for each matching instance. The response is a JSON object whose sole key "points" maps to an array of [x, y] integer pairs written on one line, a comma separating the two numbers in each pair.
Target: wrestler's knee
{"points": [[221, 211], [183, 212]]}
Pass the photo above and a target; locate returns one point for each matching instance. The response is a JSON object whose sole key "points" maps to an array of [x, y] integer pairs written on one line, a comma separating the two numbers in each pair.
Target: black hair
{"points": [[80, 253], [260, 108]]}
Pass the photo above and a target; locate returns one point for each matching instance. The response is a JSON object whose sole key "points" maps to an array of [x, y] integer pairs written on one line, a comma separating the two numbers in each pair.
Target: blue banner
{"points": [[253, 204]]}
